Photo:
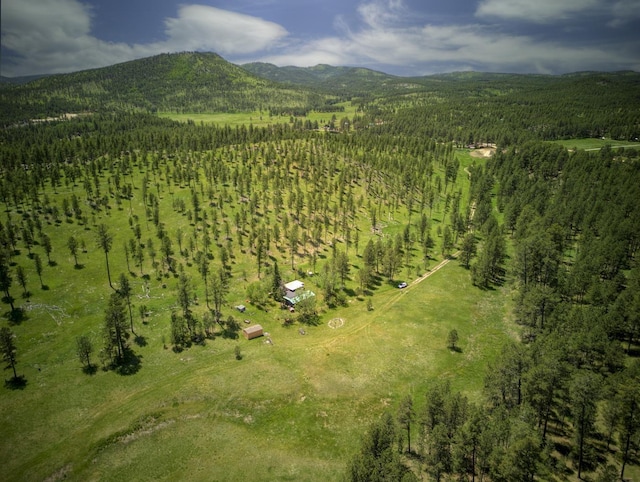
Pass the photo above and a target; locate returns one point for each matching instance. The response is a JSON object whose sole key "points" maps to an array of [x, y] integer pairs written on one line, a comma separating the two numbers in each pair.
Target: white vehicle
{"points": [[402, 285]]}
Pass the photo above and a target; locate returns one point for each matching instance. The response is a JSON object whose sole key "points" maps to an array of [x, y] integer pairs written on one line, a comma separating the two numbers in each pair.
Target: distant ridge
{"points": [[328, 78], [20, 80]]}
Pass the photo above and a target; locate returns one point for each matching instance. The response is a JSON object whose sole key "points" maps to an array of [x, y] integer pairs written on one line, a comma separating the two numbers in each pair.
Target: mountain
{"points": [[335, 80], [184, 82], [19, 80]]}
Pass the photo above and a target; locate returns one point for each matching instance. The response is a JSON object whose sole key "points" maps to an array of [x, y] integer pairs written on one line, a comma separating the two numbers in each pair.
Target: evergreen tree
{"points": [[8, 349], [115, 328], [104, 240], [84, 348], [124, 289], [276, 283], [73, 246]]}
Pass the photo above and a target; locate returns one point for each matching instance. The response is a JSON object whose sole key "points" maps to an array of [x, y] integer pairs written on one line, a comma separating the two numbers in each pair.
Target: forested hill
{"points": [[338, 80], [474, 107], [184, 82]]}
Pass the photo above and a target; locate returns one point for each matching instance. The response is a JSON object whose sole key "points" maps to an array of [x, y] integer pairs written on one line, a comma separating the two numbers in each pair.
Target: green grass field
{"points": [[295, 408], [257, 119], [291, 410], [594, 144]]}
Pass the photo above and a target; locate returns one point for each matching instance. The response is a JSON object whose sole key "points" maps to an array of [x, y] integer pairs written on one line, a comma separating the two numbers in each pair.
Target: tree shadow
{"points": [[140, 340], [457, 349], [634, 351], [130, 363], [350, 292], [53, 263], [45, 287], [90, 369], [230, 334], [16, 383], [16, 316], [78, 266]]}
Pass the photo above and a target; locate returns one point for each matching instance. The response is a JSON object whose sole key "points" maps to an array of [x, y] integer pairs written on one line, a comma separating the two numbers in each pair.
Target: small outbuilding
{"points": [[241, 308], [294, 285], [253, 331]]}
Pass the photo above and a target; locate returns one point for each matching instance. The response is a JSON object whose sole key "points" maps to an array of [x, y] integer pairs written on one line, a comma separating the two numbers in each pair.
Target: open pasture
{"points": [[258, 118], [296, 407], [291, 409]]}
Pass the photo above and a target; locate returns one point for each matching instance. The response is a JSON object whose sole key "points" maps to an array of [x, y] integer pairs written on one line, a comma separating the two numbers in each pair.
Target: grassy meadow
{"points": [[296, 408], [593, 144], [293, 409], [257, 118]]}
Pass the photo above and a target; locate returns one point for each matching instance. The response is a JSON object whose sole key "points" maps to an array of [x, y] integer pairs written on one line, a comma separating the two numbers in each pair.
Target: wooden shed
{"points": [[253, 331]]}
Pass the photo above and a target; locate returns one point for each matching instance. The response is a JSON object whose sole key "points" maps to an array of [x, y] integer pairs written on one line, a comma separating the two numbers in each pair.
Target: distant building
{"points": [[294, 285], [295, 293], [253, 331]]}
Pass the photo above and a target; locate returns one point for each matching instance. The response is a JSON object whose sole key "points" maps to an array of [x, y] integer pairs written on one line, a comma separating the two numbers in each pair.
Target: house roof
{"points": [[298, 298], [294, 285]]}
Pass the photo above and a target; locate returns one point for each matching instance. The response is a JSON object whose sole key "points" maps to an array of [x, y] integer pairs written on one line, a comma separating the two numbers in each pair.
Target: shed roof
{"points": [[252, 331], [294, 285]]}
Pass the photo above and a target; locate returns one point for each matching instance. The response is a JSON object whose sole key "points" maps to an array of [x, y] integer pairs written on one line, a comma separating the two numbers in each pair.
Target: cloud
{"points": [[624, 12], [385, 40], [540, 11], [381, 12], [52, 36], [200, 27]]}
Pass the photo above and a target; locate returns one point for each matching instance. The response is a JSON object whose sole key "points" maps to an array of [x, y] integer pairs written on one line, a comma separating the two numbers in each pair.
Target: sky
{"points": [[400, 37]]}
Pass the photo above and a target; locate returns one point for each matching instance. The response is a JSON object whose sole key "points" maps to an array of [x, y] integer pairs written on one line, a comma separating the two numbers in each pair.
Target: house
{"points": [[295, 293], [253, 331], [292, 299]]}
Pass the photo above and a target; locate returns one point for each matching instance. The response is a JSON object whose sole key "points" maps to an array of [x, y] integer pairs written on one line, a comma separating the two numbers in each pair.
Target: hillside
{"points": [[185, 82], [337, 80]]}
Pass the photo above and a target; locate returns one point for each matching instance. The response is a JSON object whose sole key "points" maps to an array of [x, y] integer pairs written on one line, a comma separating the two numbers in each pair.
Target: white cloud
{"points": [[381, 12], [51, 36], [199, 27], [48, 36], [539, 11], [384, 42], [624, 11]]}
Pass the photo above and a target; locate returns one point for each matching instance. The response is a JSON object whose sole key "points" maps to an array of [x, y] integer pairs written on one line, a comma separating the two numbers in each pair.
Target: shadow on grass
{"points": [[16, 383], [78, 266], [230, 334], [16, 316], [140, 340], [129, 364], [90, 369], [350, 292], [457, 349]]}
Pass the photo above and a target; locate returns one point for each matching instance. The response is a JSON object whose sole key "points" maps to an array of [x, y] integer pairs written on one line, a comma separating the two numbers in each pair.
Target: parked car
{"points": [[402, 285]]}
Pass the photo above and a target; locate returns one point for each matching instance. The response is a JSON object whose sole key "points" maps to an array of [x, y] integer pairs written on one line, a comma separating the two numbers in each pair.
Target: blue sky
{"points": [[402, 37]]}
